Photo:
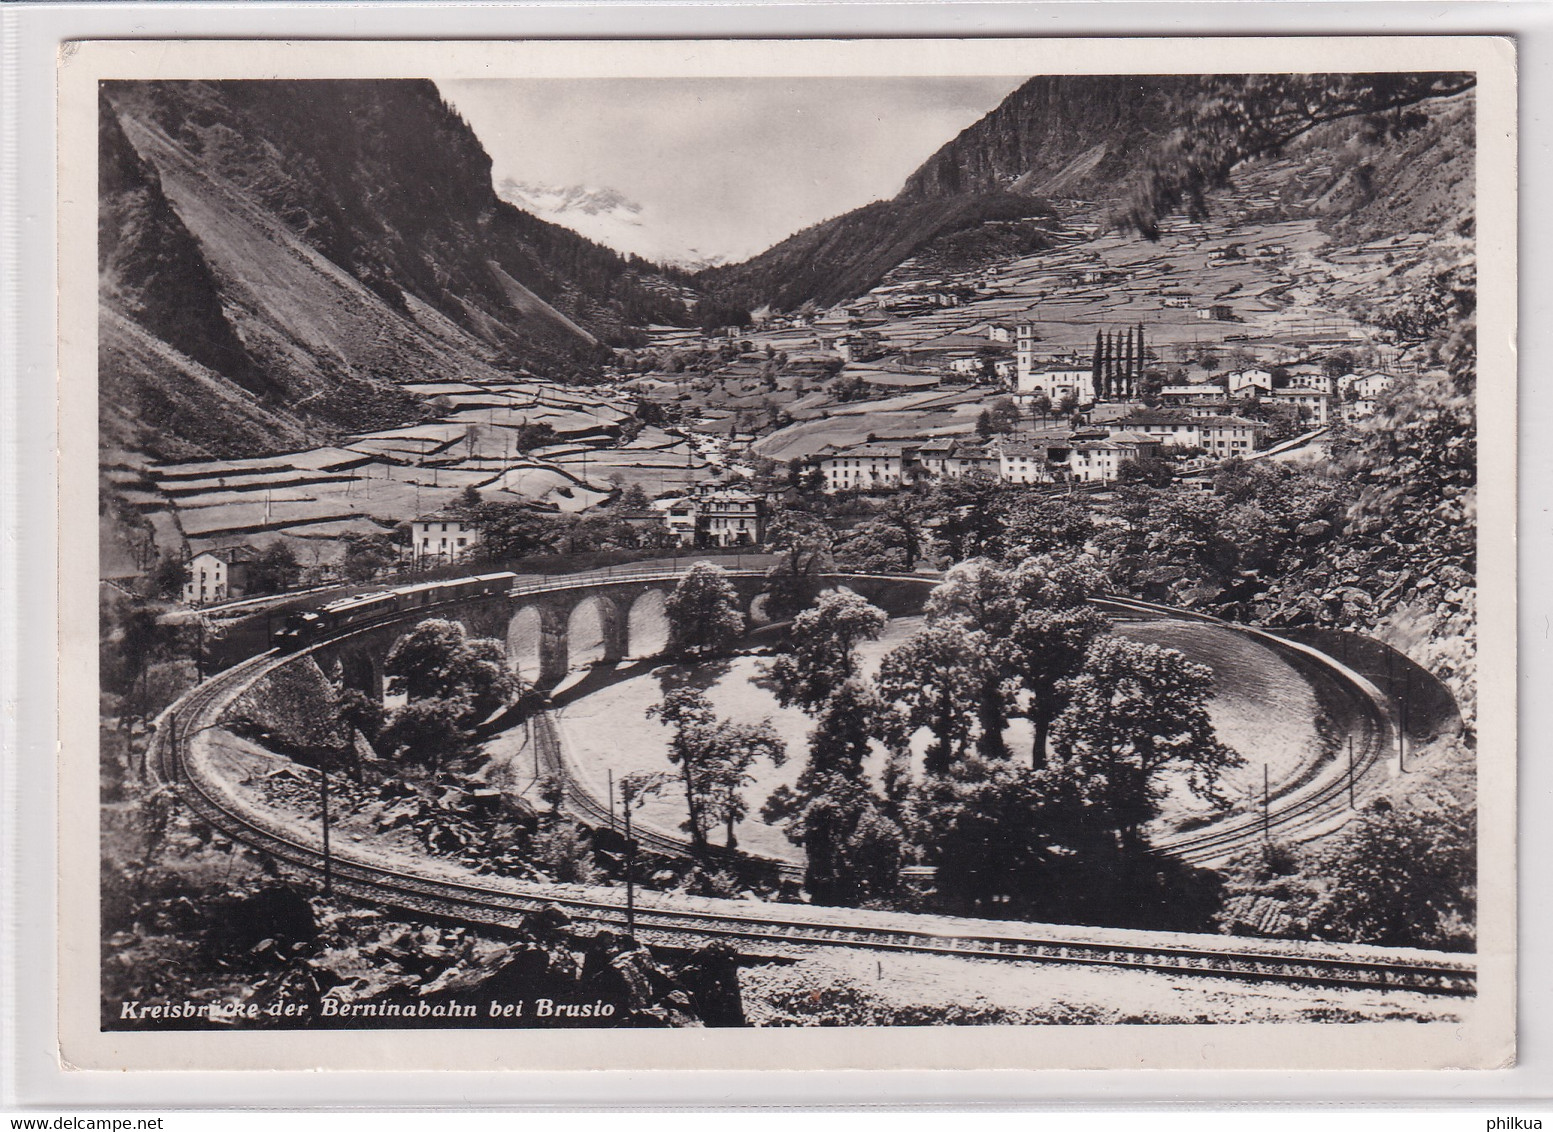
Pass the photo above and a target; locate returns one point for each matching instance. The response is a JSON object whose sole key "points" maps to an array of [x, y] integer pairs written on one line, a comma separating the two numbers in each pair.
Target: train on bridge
{"points": [[310, 626]]}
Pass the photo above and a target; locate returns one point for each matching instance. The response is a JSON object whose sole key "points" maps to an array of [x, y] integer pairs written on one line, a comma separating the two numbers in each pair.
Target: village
{"points": [[1077, 367]]}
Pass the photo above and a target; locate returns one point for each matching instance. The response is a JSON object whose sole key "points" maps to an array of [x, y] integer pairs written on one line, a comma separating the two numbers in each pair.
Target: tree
{"points": [[527, 437], [1134, 710], [821, 650], [514, 530], [984, 427], [1149, 470], [633, 498], [1051, 635], [359, 711], [1003, 415], [979, 597], [169, 576], [1040, 406], [1399, 878], [437, 660], [852, 848], [713, 756], [649, 412], [903, 514], [1044, 524], [273, 570], [935, 678], [703, 612], [970, 513], [429, 732], [986, 830], [469, 499], [366, 555], [803, 544]]}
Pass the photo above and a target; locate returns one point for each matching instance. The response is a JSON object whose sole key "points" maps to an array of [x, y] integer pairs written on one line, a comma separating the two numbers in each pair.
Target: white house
{"points": [[442, 537], [1179, 393], [716, 516], [933, 457], [1319, 403], [1227, 436], [968, 460], [1366, 392], [730, 517], [1167, 428], [1099, 461], [1000, 332], [1250, 383], [1319, 382], [1020, 463], [862, 469], [215, 575], [1372, 385]]}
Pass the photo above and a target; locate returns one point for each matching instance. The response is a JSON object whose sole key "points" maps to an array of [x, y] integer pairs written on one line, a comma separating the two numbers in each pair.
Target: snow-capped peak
{"points": [[604, 215], [550, 201]]}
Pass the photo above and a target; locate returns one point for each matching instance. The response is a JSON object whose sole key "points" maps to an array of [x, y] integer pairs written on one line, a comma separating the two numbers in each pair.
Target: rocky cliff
{"points": [[1077, 136]]}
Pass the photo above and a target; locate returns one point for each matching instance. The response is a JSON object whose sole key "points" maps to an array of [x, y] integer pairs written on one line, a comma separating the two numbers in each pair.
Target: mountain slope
{"points": [[1053, 137], [312, 244], [843, 257], [1075, 136], [1100, 144]]}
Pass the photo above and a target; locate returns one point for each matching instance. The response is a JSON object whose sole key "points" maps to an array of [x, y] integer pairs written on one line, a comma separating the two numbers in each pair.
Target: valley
{"points": [[1082, 537]]}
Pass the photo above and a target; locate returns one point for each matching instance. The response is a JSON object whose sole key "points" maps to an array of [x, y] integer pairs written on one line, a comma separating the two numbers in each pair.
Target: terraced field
{"points": [[371, 482]]}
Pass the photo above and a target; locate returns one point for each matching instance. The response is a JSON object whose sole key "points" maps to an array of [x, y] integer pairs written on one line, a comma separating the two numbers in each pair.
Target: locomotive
{"points": [[308, 626]]}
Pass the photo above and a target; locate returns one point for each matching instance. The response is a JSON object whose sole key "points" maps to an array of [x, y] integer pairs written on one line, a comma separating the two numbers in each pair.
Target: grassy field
{"points": [[1261, 707]]}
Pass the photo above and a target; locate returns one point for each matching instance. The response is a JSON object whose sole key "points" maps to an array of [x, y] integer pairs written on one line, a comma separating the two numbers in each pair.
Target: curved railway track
{"points": [[1311, 804], [765, 932]]}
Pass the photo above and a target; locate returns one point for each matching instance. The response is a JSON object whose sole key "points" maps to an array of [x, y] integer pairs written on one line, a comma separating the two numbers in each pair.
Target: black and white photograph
{"points": [[984, 550]]}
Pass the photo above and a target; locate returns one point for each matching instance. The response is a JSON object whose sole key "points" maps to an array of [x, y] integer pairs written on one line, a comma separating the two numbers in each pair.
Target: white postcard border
{"points": [[1486, 1040]]}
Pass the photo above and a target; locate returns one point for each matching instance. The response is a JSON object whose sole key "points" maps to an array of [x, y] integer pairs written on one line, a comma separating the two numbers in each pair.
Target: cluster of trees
{"points": [[517, 530], [451, 683], [1058, 830], [681, 360], [1227, 549], [1001, 416], [145, 660], [972, 517]]}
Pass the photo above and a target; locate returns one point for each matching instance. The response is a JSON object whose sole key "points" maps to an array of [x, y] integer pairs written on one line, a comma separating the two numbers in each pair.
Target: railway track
{"points": [[1309, 806], [765, 932], [1306, 807]]}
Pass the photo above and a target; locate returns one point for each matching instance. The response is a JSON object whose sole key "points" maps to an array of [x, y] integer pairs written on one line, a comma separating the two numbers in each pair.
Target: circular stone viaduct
{"points": [[552, 624]]}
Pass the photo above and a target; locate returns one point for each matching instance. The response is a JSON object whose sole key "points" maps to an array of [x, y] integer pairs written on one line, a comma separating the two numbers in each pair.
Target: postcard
{"points": [[788, 554]]}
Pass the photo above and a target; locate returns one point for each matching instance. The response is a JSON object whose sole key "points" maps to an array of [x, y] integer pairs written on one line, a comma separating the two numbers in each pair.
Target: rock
{"points": [[550, 921], [276, 912]]}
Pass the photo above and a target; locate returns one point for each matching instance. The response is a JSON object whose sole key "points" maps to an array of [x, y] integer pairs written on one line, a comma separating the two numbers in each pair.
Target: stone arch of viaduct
{"points": [[619, 617]]}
